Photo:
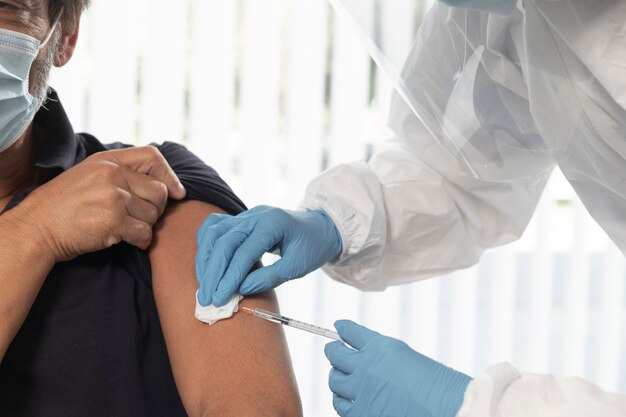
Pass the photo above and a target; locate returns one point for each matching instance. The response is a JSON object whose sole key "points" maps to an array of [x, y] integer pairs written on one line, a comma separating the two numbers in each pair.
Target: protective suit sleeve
{"points": [[412, 211], [402, 220], [504, 391]]}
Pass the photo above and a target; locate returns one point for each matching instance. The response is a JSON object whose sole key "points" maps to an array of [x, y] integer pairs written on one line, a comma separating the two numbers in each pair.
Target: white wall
{"points": [[245, 85]]}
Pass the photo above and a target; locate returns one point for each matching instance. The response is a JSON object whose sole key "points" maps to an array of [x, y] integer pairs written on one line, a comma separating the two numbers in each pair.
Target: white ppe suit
{"points": [[540, 87]]}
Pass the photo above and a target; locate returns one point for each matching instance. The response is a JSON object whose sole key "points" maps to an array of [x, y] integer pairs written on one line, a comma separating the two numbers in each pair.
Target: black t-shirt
{"points": [[92, 344]]}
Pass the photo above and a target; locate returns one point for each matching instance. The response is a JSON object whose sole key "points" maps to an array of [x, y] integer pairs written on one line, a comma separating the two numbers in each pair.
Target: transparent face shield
{"points": [[503, 96]]}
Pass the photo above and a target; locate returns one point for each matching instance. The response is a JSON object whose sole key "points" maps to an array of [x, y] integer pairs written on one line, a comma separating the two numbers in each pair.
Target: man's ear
{"points": [[67, 44]]}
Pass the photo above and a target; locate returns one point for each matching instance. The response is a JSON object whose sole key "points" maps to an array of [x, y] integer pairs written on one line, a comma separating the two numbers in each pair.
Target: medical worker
{"points": [[489, 99]]}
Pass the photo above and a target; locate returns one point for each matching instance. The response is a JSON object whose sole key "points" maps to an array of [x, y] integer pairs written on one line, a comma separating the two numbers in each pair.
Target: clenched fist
{"points": [[110, 197]]}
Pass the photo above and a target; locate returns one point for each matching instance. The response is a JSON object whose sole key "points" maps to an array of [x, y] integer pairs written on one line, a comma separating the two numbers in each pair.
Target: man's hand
{"points": [[383, 376], [110, 197], [228, 247]]}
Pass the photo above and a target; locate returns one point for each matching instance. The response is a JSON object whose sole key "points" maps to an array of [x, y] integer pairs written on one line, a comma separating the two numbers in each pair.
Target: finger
{"points": [[219, 261], [219, 218], [206, 245], [211, 220], [341, 357], [147, 188], [250, 251], [213, 228], [142, 210], [217, 225], [341, 405], [148, 160], [208, 277], [264, 279], [135, 232], [342, 384], [353, 334]]}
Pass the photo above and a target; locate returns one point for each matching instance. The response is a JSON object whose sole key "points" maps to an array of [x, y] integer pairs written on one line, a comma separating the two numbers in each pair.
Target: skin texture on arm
{"points": [[23, 269], [239, 366]]}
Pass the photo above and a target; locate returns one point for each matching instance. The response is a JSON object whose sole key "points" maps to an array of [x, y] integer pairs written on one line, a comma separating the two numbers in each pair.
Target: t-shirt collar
{"points": [[59, 146]]}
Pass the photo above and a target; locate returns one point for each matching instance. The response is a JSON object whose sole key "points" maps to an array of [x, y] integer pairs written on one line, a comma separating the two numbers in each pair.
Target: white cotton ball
{"points": [[211, 314]]}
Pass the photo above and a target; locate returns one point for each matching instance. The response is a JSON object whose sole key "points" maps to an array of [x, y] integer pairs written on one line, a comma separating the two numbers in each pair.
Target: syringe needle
{"points": [[246, 310]]}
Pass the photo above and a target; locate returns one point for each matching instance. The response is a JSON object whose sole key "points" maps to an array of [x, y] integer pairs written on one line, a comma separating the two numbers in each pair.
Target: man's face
{"points": [[31, 17]]}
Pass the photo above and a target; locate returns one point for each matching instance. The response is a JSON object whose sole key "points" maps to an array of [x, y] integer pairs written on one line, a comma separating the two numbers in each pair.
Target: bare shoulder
{"points": [[239, 366]]}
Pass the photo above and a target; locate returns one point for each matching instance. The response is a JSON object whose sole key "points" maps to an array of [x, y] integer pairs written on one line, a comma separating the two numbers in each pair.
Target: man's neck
{"points": [[16, 171]]}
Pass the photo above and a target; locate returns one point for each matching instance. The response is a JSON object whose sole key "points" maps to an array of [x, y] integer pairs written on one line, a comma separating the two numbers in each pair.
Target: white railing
{"points": [[270, 92]]}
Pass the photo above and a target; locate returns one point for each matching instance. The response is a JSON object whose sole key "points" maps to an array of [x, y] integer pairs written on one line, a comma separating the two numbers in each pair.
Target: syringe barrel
{"points": [[313, 329], [280, 319]]}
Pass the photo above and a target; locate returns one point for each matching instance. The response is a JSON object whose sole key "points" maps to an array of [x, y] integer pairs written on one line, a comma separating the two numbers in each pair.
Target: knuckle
{"points": [[161, 192], [146, 237], [154, 154], [108, 166], [157, 193], [109, 170], [153, 214], [117, 196], [142, 234]]}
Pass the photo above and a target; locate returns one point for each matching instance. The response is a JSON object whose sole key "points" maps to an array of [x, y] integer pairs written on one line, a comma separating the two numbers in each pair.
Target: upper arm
{"points": [[238, 366]]}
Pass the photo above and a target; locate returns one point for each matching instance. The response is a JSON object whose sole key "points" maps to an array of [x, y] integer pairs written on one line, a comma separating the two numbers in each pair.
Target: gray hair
{"points": [[70, 8]]}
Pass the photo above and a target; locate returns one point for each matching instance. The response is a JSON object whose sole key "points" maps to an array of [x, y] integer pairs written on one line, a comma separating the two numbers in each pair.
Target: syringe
{"points": [[280, 319]]}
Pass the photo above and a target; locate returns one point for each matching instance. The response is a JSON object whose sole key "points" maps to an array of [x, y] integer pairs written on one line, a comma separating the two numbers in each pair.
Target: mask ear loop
{"points": [[52, 29]]}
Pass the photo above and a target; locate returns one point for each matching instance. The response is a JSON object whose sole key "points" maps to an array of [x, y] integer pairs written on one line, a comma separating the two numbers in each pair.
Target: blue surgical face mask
{"points": [[496, 6], [17, 105]]}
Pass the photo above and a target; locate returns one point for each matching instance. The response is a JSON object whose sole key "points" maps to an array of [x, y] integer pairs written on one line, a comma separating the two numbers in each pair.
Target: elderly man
{"points": [[96, 307]]}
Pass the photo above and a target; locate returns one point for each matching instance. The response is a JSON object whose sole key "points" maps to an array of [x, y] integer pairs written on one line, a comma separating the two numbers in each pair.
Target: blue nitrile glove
{"points": [[385, 377], [229, 246]]}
